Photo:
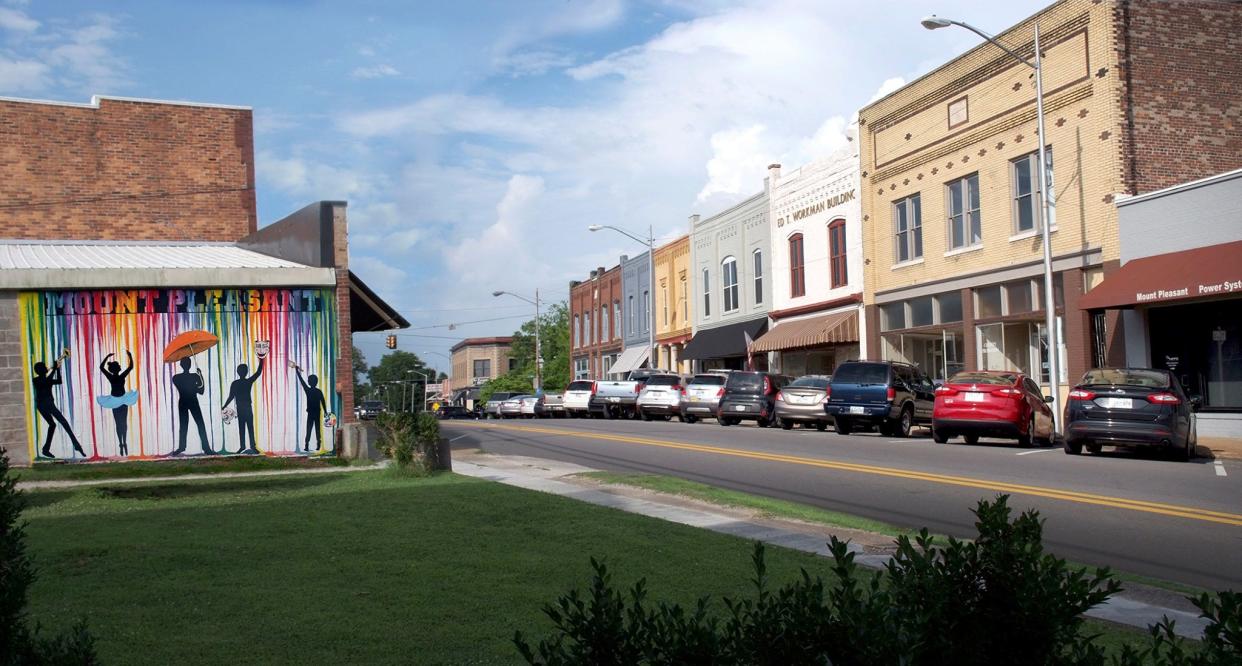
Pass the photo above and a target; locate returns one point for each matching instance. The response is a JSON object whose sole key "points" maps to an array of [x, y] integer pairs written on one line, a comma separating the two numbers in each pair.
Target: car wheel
{"points": [[723, 420], [971, 439], [821, 426], [904, 423], [939, 436], [786, 424], [1025, 440], [1094, 449], [1183, 454], [843, 426], [689, 418], [1073, 448], [644, 415]]}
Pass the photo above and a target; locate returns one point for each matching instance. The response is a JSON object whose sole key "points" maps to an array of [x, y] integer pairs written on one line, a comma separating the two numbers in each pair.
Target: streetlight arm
{"points": [[994, 41], [501, 293], [644, 241]]}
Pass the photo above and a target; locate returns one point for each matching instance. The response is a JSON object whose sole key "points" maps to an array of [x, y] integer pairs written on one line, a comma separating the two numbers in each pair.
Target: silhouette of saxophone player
{"points": [[45, 404]]}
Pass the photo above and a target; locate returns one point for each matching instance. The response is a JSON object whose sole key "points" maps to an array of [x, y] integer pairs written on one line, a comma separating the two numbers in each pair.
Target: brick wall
{"points": [[1180, 73], [12, 384], [126, 171], [345, 353]]}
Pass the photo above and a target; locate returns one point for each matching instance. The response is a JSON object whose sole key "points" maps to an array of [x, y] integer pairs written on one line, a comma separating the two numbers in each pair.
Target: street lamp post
{"points": [[1050, 321], [424, 376], [649, 241], [538, 348]]}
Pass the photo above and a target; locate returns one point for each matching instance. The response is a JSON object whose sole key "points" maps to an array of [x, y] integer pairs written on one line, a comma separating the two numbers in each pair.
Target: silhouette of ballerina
{"points": [[315, 407], [189, 386], [45, 404], [119, 399], [239, 390]]}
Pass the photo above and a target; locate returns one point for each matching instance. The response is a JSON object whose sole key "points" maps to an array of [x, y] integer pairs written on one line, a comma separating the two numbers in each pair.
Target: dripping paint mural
{"points": [[148, 373]]}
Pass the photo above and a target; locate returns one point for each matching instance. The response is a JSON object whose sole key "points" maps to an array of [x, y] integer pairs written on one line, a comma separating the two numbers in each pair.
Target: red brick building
{"points": [[595, 323]]}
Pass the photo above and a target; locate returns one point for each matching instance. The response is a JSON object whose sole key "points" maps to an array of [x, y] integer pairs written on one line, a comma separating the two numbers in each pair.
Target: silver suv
{"points": [[703, 395]]}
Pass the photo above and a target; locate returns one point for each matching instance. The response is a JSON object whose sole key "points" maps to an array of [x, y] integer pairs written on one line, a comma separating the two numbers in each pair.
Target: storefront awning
{"points": [[369, 312], [1203, 272], [725, 341], [630, 359], [835, 328]]}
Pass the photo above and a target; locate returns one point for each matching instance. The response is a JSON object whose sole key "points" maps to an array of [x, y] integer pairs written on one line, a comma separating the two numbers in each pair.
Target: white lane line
{"points": [[1220, 468], [1027, 453], [457, 438]]}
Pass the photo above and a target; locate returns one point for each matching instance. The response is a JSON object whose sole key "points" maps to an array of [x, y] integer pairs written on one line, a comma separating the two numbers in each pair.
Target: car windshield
{"points": [[982, 378], [664, 380], [810, 382], [580, 386], [372, 404], [708, 380], [861, 373], [1126, 377], [746, 381]]}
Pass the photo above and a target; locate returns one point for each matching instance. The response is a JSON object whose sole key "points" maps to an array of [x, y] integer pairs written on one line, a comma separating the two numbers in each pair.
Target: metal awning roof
{"points": [[95, 264], [630, 359], [1203, 272], [835, 328], [724, 341]]}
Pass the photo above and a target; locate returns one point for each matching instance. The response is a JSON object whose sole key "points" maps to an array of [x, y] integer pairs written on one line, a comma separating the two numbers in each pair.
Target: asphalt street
{"points": [[1175, 521]]}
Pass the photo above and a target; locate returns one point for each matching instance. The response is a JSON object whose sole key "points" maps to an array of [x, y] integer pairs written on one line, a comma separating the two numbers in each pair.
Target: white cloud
{"points": [[501, 244], [377, 272], [86, 57], [23, 75], [737, 156], [11, 19], [890, 84], [534, 62], [374, 72], [303, 177]]}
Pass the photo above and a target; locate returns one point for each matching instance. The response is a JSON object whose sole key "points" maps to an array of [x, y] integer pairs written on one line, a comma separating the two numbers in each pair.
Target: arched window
{"points": [[707, 293], [728, 283], [836, 252], [797, 267], [577, 331], [758, 257]]}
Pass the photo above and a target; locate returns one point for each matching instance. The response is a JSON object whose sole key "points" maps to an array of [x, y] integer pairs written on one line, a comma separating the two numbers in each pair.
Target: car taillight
{"points": [[945, 390], [1163, 399], [824, 401], [593, 388], [639, 387], [682, 389], [1081, 394], [720, 392], [767, 386], [780, 396], [892, 393], [1009, 392]]}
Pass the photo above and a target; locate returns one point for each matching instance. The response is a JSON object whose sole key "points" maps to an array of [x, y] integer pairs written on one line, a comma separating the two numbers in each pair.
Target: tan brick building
{"points": [[673, 303], [950, 185], [476, 360]]}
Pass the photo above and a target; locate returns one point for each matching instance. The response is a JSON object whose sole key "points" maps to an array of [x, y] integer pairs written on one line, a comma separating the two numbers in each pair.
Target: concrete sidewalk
{"points": [[1137, 606]]}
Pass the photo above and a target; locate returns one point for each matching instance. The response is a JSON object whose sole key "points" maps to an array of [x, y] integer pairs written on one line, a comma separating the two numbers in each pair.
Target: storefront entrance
{"points": [[1202, 345]]}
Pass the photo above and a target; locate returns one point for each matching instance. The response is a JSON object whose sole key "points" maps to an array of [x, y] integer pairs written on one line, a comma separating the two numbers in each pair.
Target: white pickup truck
{"points": [[617, 399]]}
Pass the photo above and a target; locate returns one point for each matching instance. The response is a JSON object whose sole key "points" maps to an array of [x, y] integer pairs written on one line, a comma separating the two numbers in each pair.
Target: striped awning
{"points": [[829, 329]]}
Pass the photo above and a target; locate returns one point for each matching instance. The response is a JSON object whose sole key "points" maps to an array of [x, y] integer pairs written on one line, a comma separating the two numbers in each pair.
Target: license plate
{"points": [[974, 397], [1116, 403], [739, 408], [858, 410], [614, 400]]}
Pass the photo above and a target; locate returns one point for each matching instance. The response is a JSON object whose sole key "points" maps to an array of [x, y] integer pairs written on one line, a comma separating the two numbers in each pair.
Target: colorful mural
{"points": [[147, 373]]}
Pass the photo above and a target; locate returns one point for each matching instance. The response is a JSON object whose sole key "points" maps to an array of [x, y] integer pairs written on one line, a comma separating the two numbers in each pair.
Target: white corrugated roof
{"points": [[69, 256]]}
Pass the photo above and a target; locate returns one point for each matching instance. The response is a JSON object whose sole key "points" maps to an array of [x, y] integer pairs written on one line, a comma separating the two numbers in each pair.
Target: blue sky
{"points": [[475, 141]]}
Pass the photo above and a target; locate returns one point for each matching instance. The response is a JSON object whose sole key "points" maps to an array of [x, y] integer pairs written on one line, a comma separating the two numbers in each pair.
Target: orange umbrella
{"points": [[188, 344]]}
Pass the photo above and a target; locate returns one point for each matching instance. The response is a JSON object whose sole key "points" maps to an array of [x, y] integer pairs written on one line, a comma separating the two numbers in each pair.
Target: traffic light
{"points": [[391, 342]]}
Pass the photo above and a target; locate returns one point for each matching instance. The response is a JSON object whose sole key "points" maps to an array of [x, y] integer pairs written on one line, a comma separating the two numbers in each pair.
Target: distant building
{"points": [[477, 360], [635, 315], [594, 335], [673, 304]]}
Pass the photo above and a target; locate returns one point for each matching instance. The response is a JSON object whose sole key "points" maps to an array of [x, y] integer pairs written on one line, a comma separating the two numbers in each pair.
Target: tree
{"points": [[392, 380], [554, 340], [360, 371]]}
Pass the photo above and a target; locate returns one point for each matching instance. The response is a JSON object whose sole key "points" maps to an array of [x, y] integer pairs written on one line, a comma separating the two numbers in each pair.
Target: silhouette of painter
{"points": [[45, 404], [189, 386], [119, 399], [315, 407], [240, 391]]}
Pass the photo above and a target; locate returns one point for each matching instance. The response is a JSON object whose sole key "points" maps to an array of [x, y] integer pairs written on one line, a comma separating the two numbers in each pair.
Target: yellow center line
{"points": [[1193, 513]]}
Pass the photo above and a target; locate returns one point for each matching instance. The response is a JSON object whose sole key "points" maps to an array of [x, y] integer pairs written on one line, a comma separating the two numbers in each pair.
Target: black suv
{"points": [[750, 396], [894, 396]]}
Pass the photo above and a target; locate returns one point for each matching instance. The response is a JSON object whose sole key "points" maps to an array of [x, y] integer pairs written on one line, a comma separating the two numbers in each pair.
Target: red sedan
{"points": [[992, 404]]}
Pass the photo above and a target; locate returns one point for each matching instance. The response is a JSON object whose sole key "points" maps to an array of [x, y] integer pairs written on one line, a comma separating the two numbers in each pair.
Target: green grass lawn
{"points": [[172, 467], [357, 568]]}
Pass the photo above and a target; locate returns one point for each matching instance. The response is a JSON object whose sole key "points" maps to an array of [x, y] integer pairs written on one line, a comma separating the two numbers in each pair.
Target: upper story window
{"points": [[483, 368], [577, 331], [836, 253], [616, 319], [758, 257], [959, 112], [647, 309], [631, 302], [707, 293], [797, 267], [1026, 199], [965, 226], [590, 332], [604, 324], [664, 303], [907, 229], [685, 301], [728, 283]]}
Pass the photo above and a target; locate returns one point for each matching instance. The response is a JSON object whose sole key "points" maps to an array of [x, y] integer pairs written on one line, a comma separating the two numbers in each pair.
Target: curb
{"points": [[76, 483]]}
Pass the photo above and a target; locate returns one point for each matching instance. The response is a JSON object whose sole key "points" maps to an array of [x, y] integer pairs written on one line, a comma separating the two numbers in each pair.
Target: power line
{"points": [[121, 197]]}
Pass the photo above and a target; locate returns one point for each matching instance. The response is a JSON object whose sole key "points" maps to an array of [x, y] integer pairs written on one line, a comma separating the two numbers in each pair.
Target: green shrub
{"points": [[427, 439], [19, 644], [997, 600], [410, 441]]}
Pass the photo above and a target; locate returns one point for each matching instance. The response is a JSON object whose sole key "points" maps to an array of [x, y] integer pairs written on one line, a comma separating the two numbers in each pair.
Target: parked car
{"points": [[578, 396], [703, 395], [1131, 407], [750, 396], [618, 398], [992, 404], [448, 412], [491, 409], [890, 395], [530, 406], [802, 401], [369, 409], [511, 408], [661, 397], [553, 405]]}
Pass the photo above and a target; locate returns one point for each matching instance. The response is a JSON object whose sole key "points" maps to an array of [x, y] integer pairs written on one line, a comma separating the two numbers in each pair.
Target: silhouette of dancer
{"points": [[315, 407], [189, 386], [239, 390], [45, 404], [119, 399]]}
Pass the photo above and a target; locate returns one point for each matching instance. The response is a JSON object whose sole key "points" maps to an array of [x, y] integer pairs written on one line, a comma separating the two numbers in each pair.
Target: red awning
{"points": [[1203, 272]]}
